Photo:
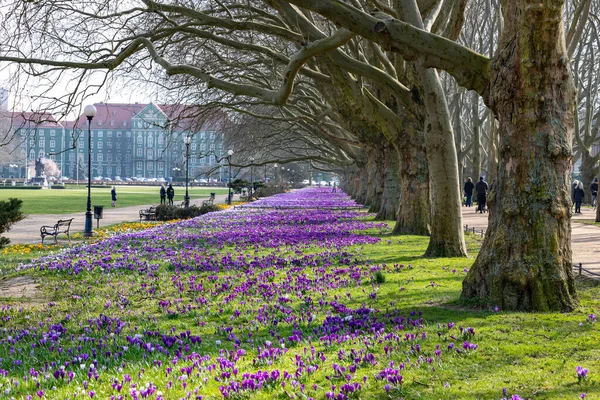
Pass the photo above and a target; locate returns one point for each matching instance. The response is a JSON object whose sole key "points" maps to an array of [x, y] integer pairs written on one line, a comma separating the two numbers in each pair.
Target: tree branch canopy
{"points": [[469, 68]]}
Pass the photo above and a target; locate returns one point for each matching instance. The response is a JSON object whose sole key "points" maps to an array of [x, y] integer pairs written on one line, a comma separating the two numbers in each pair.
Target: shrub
{"points": [[379, 277], [10, 212], [166, 213], [266, 191]]}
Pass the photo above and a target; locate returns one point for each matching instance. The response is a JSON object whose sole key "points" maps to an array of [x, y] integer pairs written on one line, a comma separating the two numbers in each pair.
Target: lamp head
{"points": [[229, 153], [89, 111]]}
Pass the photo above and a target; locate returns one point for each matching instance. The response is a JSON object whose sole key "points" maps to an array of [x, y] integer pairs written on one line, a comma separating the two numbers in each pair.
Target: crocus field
{"points": [[296, 296]]}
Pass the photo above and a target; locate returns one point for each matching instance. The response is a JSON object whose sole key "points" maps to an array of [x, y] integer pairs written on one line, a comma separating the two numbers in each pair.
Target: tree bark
{"points": [[476, 160], [390, 196], [525, 261], [414, 213]]}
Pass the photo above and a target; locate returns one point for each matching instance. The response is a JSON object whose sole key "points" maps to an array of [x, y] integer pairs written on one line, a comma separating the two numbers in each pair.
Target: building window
{"points": [[193, 159], [31, 154], [139, 152], [109, 145], [41, 154], [100, 134], [128, 158], [160, 140], [118, 170], [41, 143], [140, 140], [32, 143], [149, 154], [52, 144], [150, 140], [99, 157], [71, 156], [193, 146], [52, 132], [161, 165], [139, 165], [109, 157], [118, 134], [109, 134], [128, 134], [100, 144], [149, 166]]}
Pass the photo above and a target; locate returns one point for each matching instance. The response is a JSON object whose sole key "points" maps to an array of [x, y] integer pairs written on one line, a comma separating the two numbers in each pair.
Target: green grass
{"points": [[73, 199], [533, 355]]}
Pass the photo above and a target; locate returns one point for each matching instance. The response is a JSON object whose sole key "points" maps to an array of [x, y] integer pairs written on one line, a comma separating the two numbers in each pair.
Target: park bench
{"points": [[62, 226], [148, 214], [210, 200]]}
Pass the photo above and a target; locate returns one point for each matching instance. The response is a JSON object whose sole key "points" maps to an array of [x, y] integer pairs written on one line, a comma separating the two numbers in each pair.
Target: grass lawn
{"points": [[200, 308], [73, 198]]}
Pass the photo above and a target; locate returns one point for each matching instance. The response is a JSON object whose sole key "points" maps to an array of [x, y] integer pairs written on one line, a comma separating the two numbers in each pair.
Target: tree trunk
{"points": [[414, 211], [525, 261], [476, 139], [390, 195], [588, 172], [492, 165], [447, 238]]}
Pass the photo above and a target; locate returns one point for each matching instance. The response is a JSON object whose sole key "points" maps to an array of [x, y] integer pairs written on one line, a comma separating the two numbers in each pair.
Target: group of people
{"points": [[481, 188], [578, 194], [167, 193]]}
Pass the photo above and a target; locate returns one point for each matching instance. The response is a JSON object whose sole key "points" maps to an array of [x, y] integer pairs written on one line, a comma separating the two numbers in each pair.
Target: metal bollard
{"points": [[580, 268]]}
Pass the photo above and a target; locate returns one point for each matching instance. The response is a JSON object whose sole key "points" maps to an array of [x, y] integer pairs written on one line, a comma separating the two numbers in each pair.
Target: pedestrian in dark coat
{"points": [[468, 189], [163, 194], [113, 196], [481, 188], [170, 194], [578, 196]]}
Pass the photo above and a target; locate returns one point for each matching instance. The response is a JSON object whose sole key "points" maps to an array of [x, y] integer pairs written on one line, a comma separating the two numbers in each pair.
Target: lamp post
{"points": [[90, 113], [229, 154], [251, 177], [188, 140]]}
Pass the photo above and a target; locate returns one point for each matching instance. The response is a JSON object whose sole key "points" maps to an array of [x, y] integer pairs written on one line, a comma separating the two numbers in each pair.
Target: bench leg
{"points": [[55, 240], [42, 238]]}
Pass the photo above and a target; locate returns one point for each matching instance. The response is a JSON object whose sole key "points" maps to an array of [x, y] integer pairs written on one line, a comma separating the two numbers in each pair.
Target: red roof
{"points": [[29, 120], [110, 116]]}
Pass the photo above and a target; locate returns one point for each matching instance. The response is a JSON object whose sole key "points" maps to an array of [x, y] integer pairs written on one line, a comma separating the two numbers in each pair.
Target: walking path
{"points": [[585, 239], [27, 231]]}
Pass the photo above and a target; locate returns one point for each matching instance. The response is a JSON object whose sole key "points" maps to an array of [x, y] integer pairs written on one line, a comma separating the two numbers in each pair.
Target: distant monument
{"points": [[39, 168]]}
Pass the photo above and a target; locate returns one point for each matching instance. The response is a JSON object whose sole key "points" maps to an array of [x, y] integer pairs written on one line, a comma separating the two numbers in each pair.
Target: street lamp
{"points": [[229, 154], [251, 176], [90, 112], [188, 140]]}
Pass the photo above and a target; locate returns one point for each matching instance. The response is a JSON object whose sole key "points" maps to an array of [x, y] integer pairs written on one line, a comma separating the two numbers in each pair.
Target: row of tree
{"points": [[355, 84]]}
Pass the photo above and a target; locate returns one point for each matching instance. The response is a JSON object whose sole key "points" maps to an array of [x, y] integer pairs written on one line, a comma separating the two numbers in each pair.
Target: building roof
{"points": [[109, 116], [30, 120], [118, 116]]}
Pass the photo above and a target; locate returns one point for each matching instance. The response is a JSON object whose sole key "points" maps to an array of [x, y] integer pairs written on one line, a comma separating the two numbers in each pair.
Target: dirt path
{"points": [[585, 239], [27, 231]]}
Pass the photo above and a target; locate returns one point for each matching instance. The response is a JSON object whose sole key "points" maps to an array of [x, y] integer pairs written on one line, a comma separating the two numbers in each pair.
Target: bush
{"points": [[166, 213], [267, 191], [10, 212]]}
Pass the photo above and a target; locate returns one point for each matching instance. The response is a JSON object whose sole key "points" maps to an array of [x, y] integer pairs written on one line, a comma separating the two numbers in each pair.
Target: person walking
{"points": [[334, 186], [163, 194], [468, 189], [578, 196], [594, 190], [573, 188], [113, 195], [481, 188], [170, 194]]}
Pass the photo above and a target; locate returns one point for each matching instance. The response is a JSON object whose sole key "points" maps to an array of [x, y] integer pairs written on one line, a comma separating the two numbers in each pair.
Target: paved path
{"points": [[27, 231], [585, 239]]}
